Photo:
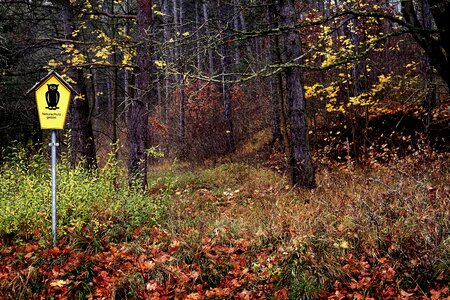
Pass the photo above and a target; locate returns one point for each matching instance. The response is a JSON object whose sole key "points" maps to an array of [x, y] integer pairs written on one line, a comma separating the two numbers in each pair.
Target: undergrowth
{"points": [[227, 232], [92, 201]]}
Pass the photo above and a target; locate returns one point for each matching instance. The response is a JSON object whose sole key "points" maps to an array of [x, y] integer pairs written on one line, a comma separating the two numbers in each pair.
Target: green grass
{"points": [[94, 199]]}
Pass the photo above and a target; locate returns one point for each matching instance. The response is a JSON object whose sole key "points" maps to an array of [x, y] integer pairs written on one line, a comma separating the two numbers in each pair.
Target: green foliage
{"points": [[90, 199]]}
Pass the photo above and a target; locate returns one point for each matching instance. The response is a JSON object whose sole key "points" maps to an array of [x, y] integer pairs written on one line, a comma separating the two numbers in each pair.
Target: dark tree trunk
{"points": [[430, 97], [225, 17], [358, 125], [276, 98], [169, 57], [210, 50], [182, 117], [436, 46], [138, 133], [302, 170], [182, 120], [81, 135]]}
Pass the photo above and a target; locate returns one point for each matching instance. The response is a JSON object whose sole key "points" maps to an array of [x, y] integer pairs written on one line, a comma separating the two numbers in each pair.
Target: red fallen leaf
{"points": [[174, 246], [245, 295], [66, 250], [55, 251], [194, 275], [31, 248], [137, 231], [194, 296], [337, 296], [144, 264], [281, 294], [162, 258], [406, 294], [218, 292], [358, 296], [389, 292], [57, 271], [389, 274], [436, 294], [364, 282]]}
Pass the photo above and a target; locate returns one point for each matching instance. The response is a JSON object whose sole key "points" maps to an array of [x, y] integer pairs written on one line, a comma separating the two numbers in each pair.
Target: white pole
{"points": [[53, 145]]}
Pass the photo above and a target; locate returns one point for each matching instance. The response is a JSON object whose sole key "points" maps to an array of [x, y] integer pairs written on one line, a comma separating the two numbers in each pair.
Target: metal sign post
{"points": [[52, 98], [53, 144]]}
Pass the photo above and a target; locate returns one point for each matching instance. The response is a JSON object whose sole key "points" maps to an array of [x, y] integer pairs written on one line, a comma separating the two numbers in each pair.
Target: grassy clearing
{"points": [[231, 231], [400, 215]]}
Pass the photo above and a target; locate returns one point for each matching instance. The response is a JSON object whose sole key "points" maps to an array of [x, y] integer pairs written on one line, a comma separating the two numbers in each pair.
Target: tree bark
{"points": [[81, 135], [226, 60], [210, 50], [138, 129], [276, 94], [302, 170], [436, 46], [169, 57]]}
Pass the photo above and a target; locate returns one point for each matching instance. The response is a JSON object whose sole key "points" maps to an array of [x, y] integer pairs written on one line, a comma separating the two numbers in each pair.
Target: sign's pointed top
{"points": [[44, 79]]}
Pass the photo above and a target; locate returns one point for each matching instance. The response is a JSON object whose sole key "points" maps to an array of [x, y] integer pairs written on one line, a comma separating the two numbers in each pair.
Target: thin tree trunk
{"points": [[358, 126], [302, 170], [236, 12], [275, 96], [169, 56], [182, 120], [225, 13], [210, 51], [82, 136], [197, 25], [114, 90], [182, 116], [430, 100]]}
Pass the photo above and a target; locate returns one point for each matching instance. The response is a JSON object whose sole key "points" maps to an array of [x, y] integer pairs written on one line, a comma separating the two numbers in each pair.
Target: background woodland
{"points": [[198, 79]]}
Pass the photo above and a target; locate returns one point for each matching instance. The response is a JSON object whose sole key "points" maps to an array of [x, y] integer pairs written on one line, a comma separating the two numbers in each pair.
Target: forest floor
{"points": [[231, 230]]}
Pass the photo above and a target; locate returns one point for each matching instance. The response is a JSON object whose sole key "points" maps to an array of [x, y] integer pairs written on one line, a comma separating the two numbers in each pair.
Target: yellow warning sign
{"points": [[52, 99]]}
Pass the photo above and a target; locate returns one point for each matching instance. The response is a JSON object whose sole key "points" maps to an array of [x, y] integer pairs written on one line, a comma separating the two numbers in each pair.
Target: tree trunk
{"points": [[81, 135], [182, 116], [210, 50], [357, 121], [302, 170], [275, 93], [436, 46], [430, 97], [138, 133], [169, 57], [226, 60]]}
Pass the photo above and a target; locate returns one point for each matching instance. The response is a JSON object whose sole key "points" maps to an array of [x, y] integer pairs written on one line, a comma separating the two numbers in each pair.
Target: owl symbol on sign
{"points": [[52, 96]]}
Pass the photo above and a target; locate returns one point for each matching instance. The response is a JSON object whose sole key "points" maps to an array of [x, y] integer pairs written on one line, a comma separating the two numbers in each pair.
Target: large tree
{"points": [[302, 170], [435, 43], [139, 107]]}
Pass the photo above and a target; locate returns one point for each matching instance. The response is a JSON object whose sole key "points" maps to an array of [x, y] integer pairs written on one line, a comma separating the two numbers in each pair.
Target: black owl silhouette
{"points": [[52, 96]]}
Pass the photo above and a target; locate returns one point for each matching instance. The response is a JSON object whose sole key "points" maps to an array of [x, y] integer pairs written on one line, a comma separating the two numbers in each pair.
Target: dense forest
{"points": [[228, 149]]}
